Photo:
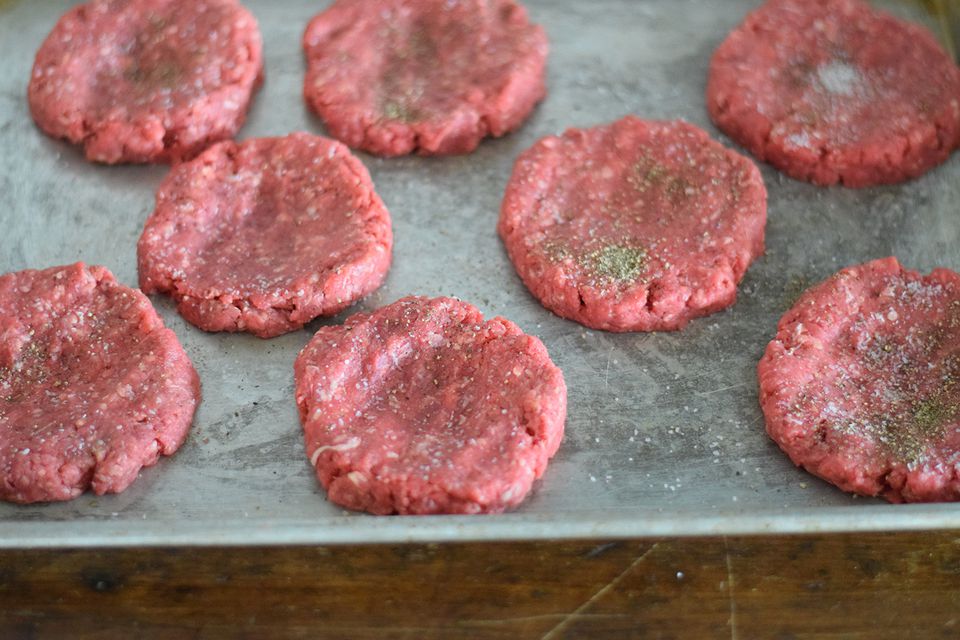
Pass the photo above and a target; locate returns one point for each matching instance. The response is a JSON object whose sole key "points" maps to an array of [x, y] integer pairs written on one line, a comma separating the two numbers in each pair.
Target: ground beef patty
{"points": [[424, 407], [633, 226], [832, 91], [861, 386], [146, 80], [93, 387], [433, 76], [266, 235]]}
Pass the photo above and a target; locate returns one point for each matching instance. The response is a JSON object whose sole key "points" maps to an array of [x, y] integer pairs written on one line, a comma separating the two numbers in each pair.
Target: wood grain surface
{"points": [[850, 586]]}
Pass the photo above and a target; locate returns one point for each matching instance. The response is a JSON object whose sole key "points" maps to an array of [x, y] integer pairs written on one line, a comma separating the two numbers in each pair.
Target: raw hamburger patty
{"points": [[146, 80], [832, 91], [633, 226], [266, 235], [861, 386], [93, 387], [424, 407], [432, 76]]}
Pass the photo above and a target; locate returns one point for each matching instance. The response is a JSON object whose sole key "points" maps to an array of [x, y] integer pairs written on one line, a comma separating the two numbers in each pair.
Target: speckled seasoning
{"points": [[93, 387], [429, 76], [861, 385], [833, 91], [147, 80], [635, 225], [424, 407], [265, 235]]}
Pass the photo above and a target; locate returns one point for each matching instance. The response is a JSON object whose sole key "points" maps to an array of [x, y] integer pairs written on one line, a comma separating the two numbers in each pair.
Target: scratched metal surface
{"points": [[664, 435]]}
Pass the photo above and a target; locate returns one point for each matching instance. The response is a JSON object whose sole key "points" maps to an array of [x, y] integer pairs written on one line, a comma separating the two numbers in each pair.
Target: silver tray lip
{"points": [[465, 529], [566, 504]]}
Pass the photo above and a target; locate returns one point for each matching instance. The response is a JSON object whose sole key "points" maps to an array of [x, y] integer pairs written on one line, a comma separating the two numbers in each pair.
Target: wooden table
{"points": [[838, 586]]}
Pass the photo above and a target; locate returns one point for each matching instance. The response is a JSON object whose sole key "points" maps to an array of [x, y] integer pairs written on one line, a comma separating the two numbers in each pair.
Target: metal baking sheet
{"points": [[664, 435]]}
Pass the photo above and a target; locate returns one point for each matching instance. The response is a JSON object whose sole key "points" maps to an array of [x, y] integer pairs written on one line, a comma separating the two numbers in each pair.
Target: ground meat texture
{"points": [[429, 76], [266, 235], [93, 387], [833, 91], [861, 385], [146, 80], [424, 407], [633, 226]]}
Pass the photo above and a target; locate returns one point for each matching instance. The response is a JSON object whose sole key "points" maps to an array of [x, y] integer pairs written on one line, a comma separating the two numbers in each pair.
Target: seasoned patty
{"points": [[434, 77], [93, 387], [861, 385], [265, 235], [424, 407], [146, 80], [633, 226], [834, 91]]}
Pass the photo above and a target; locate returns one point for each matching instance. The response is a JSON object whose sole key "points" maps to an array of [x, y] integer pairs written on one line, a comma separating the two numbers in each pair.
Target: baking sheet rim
{"points": [[446, 529]]}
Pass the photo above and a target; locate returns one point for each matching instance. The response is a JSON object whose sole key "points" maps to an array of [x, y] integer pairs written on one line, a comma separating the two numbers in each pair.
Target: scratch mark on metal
{"points": [[578, 612], [606, 372], [733, 386]]}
